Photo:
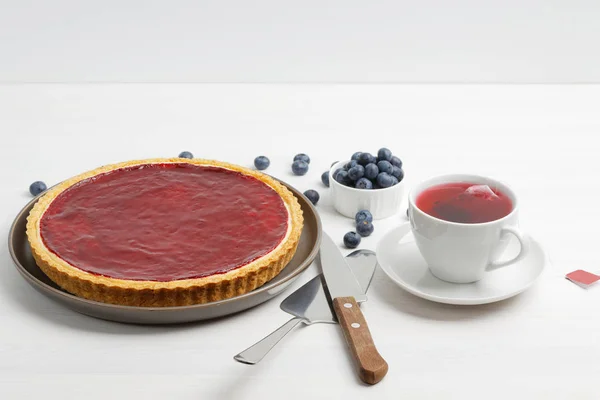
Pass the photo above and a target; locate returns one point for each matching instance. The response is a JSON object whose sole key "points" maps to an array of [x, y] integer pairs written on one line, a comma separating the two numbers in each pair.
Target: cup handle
{"points": [[524, 248]]}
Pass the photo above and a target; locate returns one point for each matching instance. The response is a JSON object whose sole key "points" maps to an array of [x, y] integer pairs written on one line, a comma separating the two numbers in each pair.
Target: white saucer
{"points": [[400, 259]]}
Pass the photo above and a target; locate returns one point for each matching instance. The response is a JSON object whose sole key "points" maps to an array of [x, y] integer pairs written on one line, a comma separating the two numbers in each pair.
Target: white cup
{"points": [[460, 252]]}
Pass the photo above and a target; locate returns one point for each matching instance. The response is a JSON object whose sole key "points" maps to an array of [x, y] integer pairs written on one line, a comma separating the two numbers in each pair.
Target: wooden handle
{"points": [[371, 366]]}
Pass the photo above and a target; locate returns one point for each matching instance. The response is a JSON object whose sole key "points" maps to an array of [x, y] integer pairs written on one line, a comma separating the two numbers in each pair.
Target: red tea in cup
{"points": [[463, 202]]}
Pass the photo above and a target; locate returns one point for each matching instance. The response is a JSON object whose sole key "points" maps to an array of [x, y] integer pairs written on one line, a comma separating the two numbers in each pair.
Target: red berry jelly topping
{"points": [[164, 222]]}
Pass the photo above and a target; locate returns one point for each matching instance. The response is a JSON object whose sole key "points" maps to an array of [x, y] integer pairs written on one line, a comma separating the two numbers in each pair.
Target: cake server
{"points": [[309, 304], [346, 293]]}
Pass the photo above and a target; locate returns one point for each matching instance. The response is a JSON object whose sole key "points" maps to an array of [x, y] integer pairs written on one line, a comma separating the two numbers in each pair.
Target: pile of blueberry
{"points": [[364, 228], [365, 171]]}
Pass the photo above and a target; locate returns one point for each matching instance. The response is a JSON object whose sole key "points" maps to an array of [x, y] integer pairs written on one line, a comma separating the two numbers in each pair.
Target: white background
{"points": [[542, 344], [299, 41]]}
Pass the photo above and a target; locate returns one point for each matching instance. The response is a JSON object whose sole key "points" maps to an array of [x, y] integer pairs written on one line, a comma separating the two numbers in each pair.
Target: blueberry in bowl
{"points": [[371, 171], [364, 183], [385, 166], [396, 162], [364, 158], [385, 180], [356, 172], [384, 154]]}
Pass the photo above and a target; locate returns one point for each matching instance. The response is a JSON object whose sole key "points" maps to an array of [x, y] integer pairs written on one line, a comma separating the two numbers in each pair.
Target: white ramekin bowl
{"points": [[382, 203]]}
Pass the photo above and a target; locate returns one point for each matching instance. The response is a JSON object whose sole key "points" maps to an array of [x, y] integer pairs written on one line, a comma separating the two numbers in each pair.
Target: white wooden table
{"points": [[542, 344]]}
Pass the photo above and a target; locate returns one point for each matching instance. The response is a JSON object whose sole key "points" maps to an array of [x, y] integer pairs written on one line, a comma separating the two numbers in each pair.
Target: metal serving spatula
{"points": [[309, 304]]}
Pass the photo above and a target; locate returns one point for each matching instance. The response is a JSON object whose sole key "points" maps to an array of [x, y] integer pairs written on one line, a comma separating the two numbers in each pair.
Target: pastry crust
{"points": [[172, 293]]}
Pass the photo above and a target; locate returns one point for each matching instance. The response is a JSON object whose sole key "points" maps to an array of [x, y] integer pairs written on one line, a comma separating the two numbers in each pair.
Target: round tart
{"points": [[165, 232]]}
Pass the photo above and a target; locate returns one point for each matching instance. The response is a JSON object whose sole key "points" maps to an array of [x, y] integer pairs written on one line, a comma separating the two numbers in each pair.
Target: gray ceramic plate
{"points": [[306, 253]]}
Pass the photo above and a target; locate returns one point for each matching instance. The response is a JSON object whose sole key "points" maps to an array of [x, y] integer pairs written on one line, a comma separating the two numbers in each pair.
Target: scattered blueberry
{"points": [[333, 163], [371, 171], [357, 172], [351, 240], [365, 228], [364, 183], [364, 158], [302, 157], [325, 178], [363, 215], [350, 164], [313, 196], [398, 173], [37, 187], [341, 177], [396, 162], [261, 163], [355, 156], [186, 154], [299, 167], [384, 154], [385, 180], [385, 166]]}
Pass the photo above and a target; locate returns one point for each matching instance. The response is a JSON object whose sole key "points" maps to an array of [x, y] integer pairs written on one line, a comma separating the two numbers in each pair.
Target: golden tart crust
{"points": [[171, 293]]}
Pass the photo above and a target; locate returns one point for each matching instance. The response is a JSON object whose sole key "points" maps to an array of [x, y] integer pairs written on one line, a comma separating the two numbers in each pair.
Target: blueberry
{"points": [[37, 187], [371, 171], [351, 240], [384, 154], [313, 196], [372, 159], [357, 172], [350, 164], [364, 183], [261, 163], [365, 228], [333, 163], [302, 157], [385, 166], [325, 178], [398, 173], [186, 154], [396, 162], [341, 177], [401, 177], [299, 167], [364, 159], [385, 180], [363, 215], [355, 156], [394, 180], [337, 171]]}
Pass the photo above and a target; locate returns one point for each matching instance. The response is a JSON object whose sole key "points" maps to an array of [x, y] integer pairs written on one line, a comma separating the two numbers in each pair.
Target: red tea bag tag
{"points": [[582, 278]]}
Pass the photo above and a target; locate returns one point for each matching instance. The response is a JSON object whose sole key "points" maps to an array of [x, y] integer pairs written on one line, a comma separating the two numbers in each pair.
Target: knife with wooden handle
{"points": [[346, 293]]}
